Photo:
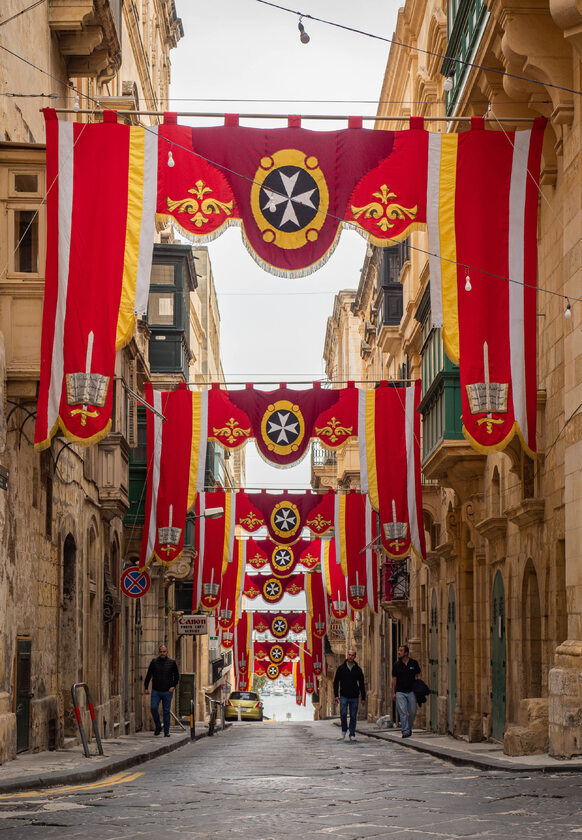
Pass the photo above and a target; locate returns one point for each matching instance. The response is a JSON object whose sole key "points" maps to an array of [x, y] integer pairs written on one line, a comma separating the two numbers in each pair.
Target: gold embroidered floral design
{"points": [[318, 523], [334, 430], [251, 521], [201, 208], [231, 431], [383, 210]]}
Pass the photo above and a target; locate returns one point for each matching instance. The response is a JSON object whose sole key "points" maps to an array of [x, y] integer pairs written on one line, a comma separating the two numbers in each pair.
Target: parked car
{"points": [[249, 704]]}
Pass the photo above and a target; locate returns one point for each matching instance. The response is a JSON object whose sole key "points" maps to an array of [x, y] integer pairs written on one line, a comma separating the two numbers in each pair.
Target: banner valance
{"points": [[279, 624], [291, 190]]}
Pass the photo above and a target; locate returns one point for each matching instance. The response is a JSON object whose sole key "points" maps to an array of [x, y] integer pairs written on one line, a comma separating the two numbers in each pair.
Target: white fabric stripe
{"points": [[410, 469], [201, 525], [155, 467], [370, 553], [148, 220], [516, 246], [201, 474], [432, 224], [336, 529], [362, 440], [65, 218], [231, 526]]}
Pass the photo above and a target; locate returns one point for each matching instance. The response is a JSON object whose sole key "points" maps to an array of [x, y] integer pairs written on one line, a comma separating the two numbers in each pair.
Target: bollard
{"points": [[192, 721], [80, 722]]}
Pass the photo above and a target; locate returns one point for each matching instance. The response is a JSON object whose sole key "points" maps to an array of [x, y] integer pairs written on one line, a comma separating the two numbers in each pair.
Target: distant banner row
{"points": [[388, 425], [291, 191]]}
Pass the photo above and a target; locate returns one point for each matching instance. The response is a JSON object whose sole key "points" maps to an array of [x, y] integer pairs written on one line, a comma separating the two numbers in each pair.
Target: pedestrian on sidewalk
{"points": [[348, 685], [164, 676], [404, 673]]}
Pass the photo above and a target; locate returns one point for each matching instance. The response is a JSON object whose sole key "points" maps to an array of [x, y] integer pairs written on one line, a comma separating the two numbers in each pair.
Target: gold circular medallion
{"points": [[283, 427], [285, 519], [289, 198]]}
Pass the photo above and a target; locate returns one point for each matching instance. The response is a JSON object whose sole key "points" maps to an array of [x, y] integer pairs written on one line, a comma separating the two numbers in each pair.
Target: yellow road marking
{"points": [[117, 779]]}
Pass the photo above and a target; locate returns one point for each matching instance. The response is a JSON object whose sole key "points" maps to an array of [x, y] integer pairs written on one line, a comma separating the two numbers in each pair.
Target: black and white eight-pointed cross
{"points": [[282, 558], [283, 428], [279, 626], [285, 519], [289, 198]]}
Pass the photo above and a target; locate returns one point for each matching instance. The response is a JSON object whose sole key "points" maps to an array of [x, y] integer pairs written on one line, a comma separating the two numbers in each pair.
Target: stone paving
{"points": [[289, 781]]}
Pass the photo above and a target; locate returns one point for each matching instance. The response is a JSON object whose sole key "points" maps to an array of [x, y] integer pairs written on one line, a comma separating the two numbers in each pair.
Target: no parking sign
{"points": [[135, 582]]}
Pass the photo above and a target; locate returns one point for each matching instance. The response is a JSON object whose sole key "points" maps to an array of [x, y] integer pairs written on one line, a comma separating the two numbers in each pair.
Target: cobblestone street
{"points": [[275, 781]]}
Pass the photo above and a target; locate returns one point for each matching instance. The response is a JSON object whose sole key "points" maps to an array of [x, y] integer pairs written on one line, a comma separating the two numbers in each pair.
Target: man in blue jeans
{"points": [[164, 675], [348, 685], [404, 672]]}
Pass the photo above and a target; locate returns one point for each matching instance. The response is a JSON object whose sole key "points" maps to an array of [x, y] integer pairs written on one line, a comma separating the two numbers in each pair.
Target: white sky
{"points": [[272, 328]]}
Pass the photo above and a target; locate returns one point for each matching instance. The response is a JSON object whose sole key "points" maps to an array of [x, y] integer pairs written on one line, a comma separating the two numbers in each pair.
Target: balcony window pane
{"points": [[162, 275], [26, 241], [161, 309], [26, 182]]}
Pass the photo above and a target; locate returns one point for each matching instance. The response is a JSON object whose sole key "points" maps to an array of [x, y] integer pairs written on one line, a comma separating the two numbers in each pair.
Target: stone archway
{"points": [[68, 633], [531, 632]]}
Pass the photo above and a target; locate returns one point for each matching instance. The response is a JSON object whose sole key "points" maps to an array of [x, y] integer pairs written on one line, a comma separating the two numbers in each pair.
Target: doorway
{"points": [[23, 693], [433, 661], [498, 659], [451, 657]]}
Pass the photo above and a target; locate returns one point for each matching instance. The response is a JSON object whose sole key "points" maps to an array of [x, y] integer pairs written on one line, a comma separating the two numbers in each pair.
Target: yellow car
{"points": [[247, 702]]}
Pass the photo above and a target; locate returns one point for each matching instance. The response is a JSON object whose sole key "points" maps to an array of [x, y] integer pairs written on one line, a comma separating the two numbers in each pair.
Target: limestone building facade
{"points": [[63, 511], [494, 614]]}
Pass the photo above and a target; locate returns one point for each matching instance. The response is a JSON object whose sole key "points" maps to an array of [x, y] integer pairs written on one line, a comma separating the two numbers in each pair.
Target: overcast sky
{"points": [[272, 328]]}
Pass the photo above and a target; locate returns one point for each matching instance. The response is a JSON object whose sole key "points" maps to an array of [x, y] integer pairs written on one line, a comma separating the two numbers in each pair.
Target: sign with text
{"points": [[193, 625]]}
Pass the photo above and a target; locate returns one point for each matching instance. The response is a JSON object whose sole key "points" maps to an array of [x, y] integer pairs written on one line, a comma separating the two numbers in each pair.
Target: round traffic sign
{"points": [[135, 582]]}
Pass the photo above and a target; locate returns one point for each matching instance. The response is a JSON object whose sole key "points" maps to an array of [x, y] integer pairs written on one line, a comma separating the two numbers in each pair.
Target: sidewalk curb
{"points": [[462, 759], [56, 778], [459, 758]]}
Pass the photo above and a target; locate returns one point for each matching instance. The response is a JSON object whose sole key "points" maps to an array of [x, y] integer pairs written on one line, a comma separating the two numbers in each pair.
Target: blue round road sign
{"points": [[135, 582]]}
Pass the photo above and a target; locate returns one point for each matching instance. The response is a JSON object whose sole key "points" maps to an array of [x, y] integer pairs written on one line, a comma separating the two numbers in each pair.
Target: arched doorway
{"points": [[433, 661], [531, 632], [69, 630], [451, 657], [498, 659]]}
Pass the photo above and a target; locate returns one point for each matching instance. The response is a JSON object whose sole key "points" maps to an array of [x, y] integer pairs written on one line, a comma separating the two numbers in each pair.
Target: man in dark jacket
{"points": [[163, 672], [404, 674], [348, 685]]}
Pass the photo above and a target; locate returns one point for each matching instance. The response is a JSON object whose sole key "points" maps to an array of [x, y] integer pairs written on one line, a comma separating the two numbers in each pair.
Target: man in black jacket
{"points": [[164, 674], [348, 685]]}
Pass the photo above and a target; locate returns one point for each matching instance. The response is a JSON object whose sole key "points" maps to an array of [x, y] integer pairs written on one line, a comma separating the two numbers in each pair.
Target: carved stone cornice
{"points": [[493, 527], [533, 46], [397, 609], [528, 512]]}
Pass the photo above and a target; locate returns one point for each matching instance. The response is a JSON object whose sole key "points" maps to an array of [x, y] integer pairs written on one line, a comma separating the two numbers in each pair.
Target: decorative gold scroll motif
{"points": [[251, 521], [199, 205], [334, 430], [382, 210], [318, 523], [231, 431]]}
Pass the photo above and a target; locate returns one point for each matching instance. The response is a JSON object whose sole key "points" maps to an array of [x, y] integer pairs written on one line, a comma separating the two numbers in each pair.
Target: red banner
{"points": [[284, 514], [275, 652], [390, 465], [317, 603], [279, 624], [271, 588]]}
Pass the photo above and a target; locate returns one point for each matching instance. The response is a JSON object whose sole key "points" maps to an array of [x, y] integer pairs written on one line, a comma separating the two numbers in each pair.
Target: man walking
{"points": [[404, 672], [163, 672], [348, 685]]}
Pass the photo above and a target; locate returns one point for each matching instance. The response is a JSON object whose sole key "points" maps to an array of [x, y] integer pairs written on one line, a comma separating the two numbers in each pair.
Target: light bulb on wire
{"points": [[568, 312], [468, 286], [303, 36], [171, 161], [76, 106], [448, 82]]}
